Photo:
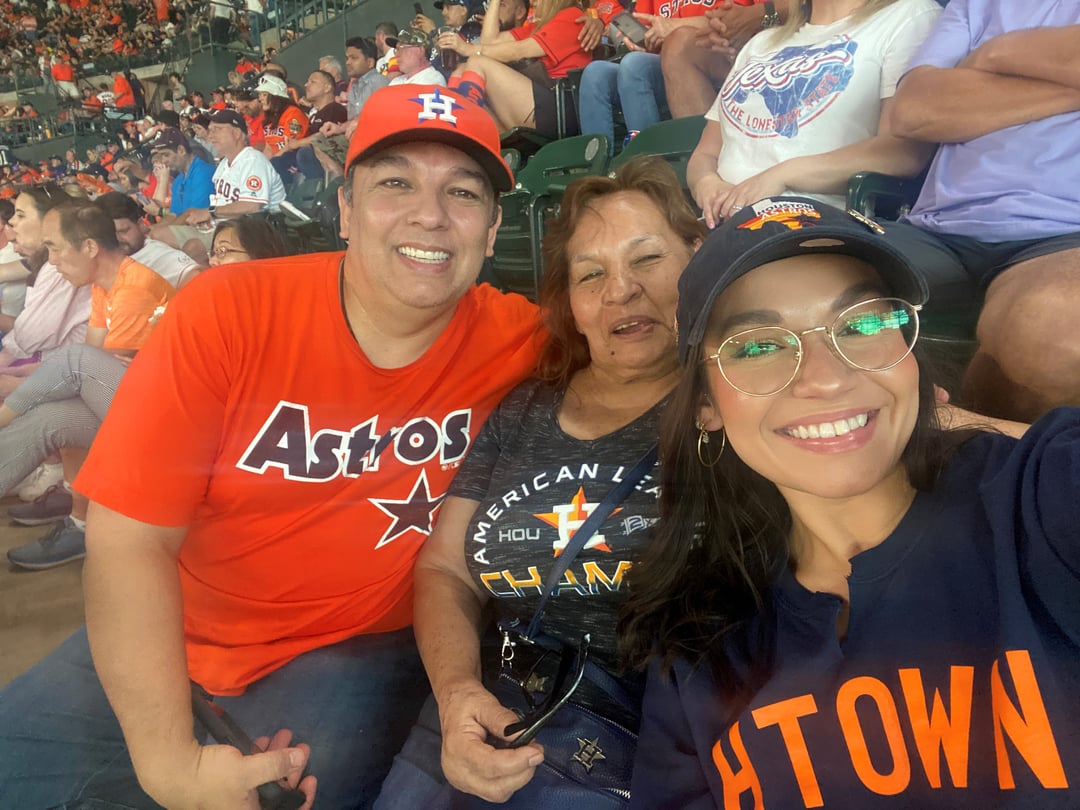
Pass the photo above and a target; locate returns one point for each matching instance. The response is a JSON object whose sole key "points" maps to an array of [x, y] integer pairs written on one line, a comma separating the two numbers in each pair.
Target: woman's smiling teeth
{"points": [[627, 326], [421, 255], [828, 430]]}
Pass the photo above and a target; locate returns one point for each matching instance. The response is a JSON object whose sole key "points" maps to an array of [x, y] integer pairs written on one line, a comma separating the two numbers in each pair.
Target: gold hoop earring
{"points": [[703, 438]]}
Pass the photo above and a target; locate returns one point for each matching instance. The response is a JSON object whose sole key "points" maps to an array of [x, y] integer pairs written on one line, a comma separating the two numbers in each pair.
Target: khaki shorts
{"points": [[184, 233]]}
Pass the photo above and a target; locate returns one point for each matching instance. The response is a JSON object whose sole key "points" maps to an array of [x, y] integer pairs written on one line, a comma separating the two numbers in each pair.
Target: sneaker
{"points": [[35, 484], [64, 543], [53, 504]]}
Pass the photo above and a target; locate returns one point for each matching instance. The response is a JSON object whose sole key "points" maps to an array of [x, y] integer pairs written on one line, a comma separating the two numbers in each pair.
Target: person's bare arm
{"points": [[591, 33], [1049, 54], [134, 620], [139, 654], [201, 216], [447, 621], [828, 172], [7, 322], [161, 189], [731, 26], [660, 27], [495, 44], [423, 22], [95, 336], [954, 105], [706, 186], [235, 209]]}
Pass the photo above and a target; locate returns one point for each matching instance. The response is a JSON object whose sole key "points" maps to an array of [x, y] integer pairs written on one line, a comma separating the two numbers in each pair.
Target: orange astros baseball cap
{"points": [[423, 112], [779, 228]]}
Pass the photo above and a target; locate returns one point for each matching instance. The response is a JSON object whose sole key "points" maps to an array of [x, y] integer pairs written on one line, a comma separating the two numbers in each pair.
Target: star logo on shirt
{"points": [[568, 517], [415, 512]]}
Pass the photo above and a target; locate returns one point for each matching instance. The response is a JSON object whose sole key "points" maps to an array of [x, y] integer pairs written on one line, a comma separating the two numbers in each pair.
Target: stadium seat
{"points": [[317, 227], [947, 337], [513, 159], [673, 140], [526, 140], [304, 193], [882, 196], [540, 186]]}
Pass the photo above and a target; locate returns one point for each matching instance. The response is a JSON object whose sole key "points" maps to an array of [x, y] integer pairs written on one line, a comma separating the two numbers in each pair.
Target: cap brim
{"points": [[892, 265], [502, 179]]}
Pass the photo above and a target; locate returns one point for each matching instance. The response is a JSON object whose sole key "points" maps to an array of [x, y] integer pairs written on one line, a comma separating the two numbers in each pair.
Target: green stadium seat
{"points": [[513, 159], [947, 338], [882, 196], [673, 140], [540, 186], [528, 141]]}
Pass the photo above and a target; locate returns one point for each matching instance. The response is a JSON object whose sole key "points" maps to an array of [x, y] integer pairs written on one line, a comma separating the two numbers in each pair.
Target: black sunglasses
{"points": [[567, 678]]}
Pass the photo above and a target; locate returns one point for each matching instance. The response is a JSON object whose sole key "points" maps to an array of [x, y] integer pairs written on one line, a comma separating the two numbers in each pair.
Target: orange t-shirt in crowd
{"points": [[123, 95], [255, 131], [291, 125], [250, 417], [559, 39], [63, 71], [132, 306]]}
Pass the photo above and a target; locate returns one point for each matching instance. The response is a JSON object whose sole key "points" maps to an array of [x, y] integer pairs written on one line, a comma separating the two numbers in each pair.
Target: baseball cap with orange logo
{"points": [[406, 113], [779, 228]]}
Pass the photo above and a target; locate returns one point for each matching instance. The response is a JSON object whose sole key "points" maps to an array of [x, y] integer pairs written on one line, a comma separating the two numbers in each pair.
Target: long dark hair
{"points": [[258, 238], [722, 541], [276, 107]]}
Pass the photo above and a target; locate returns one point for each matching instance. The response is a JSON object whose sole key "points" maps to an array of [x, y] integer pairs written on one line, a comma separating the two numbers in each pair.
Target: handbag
{"points": [[588, 758], [534, 70]]}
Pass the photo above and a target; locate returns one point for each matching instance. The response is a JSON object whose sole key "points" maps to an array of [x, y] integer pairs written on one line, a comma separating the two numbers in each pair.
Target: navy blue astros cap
{"points": [[230, 117], [779, 228]]}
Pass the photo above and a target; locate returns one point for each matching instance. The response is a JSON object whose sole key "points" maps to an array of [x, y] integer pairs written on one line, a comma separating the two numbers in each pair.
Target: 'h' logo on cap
{"points": [[436, 106]]}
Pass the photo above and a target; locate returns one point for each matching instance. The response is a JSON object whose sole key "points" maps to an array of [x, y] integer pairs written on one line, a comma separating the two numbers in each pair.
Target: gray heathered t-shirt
{"points": [[535, 485]]}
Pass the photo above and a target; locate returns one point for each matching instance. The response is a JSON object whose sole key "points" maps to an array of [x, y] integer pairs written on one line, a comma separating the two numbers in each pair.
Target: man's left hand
{"points": [[592, 30]]}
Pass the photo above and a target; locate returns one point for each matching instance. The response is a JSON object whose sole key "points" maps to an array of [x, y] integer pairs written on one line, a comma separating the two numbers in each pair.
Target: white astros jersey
{"points": [[249, 178]]}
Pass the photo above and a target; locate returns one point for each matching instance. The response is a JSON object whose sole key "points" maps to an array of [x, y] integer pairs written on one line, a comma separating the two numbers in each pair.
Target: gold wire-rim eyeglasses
{"points": [[831, 342]]}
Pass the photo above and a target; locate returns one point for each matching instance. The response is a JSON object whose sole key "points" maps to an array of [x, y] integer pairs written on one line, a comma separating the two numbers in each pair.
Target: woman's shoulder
{"points": [[525, 398], [902, 16], [568, 15], [1044, 460]]}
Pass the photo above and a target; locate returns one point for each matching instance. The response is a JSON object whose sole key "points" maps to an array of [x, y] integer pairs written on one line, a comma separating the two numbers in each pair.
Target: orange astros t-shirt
{"points": [[250, 416], [131, 307], [292, 124]]}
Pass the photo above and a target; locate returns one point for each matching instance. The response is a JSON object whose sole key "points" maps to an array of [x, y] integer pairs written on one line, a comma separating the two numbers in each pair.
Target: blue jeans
{"points": [[636, 84], [256, 25], [353, 702], [309, 164], [416, 780]]}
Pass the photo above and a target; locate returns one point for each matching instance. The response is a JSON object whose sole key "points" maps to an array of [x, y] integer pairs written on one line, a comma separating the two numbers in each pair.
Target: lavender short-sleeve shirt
{"points": [[1020, 182]]}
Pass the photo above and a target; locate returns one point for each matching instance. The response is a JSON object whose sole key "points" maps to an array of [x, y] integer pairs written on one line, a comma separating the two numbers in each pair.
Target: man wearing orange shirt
{"points": [[127, 299], [123, 95], [63, 74], [268, 472]]}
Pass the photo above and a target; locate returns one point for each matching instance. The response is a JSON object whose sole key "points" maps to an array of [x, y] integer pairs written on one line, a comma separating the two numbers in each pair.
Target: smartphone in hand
{"points": [[630, 27]]}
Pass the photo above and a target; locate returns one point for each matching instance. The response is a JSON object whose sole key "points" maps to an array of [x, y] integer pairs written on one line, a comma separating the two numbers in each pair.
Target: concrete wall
{"points": [[302, 57]]}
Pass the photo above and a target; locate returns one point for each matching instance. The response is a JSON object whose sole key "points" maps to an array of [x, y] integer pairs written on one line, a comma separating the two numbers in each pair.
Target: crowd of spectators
{"points": [[39, 41], [795, 99]]}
